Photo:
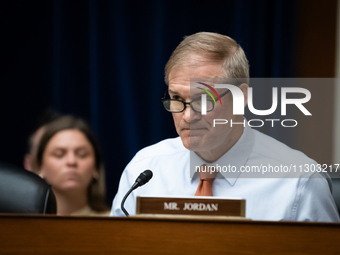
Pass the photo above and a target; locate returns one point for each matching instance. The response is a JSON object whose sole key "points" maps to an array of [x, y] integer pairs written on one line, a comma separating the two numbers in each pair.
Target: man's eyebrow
{"points": [[173, 92]]}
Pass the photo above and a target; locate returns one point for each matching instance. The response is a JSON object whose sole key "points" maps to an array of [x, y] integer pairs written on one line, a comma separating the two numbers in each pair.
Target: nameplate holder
{"points": [[209, 206]]}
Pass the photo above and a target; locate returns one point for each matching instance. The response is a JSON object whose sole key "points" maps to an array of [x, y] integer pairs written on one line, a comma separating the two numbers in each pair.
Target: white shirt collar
{"points": [[236, 157]]}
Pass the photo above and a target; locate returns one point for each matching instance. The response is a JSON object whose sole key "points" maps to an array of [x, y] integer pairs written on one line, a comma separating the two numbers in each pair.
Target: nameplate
{"points": [[191, 206]]}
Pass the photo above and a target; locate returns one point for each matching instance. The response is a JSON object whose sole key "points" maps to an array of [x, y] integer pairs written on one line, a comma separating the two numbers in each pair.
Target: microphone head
{"points": [[144, 177]]}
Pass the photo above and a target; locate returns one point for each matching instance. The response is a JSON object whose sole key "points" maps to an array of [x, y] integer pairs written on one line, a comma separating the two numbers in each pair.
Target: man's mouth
{"points": [[194, 131]]}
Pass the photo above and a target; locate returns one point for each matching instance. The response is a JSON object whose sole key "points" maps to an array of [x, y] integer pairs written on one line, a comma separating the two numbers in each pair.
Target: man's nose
{"points": [[190, 115]]}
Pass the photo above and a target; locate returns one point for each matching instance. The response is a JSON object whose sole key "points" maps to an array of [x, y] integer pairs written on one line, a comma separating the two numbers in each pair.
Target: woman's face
{"points": [[68, 162]]}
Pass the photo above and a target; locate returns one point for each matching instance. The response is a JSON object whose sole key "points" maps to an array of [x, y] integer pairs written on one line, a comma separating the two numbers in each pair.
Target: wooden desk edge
{"points": [[173, 218]]}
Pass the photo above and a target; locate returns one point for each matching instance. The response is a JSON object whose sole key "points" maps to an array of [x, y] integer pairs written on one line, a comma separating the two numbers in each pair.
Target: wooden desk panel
{"points": [[88, 235]]}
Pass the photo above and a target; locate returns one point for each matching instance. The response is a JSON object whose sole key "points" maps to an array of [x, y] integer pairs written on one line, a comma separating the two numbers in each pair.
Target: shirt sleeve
{"points": [[314, 201]]}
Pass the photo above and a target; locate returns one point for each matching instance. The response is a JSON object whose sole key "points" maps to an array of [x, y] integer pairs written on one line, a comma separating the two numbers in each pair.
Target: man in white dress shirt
{"points": [[304, 196]]}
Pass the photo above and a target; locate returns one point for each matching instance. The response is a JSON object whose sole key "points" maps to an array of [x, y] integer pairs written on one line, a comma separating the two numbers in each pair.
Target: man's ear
{"points": [[244, 88]]}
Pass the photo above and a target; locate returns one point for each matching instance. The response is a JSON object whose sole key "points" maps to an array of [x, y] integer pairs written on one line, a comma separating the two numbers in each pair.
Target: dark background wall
{"points": [[104, 61]]}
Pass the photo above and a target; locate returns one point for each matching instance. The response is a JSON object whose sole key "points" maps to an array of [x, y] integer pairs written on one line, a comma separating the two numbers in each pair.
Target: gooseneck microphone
{"points": [[140, 181]]}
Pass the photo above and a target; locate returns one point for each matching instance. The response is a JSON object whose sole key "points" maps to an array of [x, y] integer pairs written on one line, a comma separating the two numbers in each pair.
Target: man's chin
{"points": [[192, 143]]}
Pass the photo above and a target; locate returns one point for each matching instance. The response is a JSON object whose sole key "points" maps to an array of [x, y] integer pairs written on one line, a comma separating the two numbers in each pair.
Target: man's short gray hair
{"points": [[214, 47]]}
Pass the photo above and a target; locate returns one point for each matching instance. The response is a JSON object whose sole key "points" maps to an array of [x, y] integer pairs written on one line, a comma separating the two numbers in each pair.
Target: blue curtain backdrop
{"points": [[104, 61]]}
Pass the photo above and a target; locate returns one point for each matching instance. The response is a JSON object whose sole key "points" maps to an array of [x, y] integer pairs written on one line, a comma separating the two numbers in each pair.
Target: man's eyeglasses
{"points": [[177, 106]]}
